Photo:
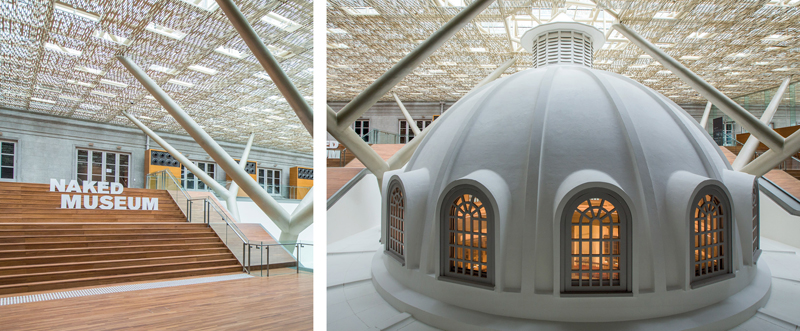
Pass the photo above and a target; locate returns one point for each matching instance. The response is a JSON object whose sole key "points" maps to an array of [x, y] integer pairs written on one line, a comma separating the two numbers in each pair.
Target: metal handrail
{"points": [[780, 189], [176, 181], [233, 226], [261, 246]]}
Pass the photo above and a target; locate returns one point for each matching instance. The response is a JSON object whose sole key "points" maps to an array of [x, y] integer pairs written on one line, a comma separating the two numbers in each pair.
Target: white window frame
{"points": [[196, 180], [358, 127], [407, 135], [269, 184], [14, 162], [103, 165]]}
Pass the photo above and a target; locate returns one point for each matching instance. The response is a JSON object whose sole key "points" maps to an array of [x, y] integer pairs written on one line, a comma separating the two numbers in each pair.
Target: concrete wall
{"points": [[46, 147]]}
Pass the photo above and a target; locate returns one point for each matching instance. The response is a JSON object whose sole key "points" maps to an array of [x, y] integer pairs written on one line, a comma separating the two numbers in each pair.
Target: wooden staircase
{"points": [[44, 247]]}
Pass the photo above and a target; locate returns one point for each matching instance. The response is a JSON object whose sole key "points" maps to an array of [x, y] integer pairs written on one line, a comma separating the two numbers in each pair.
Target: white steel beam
{"points": [[411, 122], [233, 190], [750, 146], [706, 112], [496, 73]]}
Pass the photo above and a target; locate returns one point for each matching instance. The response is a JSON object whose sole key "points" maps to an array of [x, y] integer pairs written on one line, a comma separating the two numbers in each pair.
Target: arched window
{"points": [[395, 242], [756, 225], [596, 238], [467, 236], [710, 240]]}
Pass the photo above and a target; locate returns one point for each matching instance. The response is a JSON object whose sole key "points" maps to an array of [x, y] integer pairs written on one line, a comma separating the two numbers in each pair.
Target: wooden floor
{"points": [[337, 177], [385, 151], [281, 302]]}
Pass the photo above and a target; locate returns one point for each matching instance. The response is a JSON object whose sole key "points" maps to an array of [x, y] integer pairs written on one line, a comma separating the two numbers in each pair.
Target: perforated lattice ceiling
{"points": [[59, 58], [738, 46]]}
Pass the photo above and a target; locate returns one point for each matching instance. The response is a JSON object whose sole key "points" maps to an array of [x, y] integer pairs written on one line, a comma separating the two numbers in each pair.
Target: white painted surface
{"points": [[359, 209], [777, 224], [252, 214]]}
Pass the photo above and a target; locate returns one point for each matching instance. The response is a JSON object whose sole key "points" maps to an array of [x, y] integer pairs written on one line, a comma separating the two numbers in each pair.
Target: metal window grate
{"points": [[596, 246], [756, 221], [562, 47], [468, 237], [710, 236], [396, 242]]}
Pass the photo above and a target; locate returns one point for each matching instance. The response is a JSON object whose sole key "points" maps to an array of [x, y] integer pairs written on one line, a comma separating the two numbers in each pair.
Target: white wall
{"points": [[358, 210], [250, 213], [777, 224]]}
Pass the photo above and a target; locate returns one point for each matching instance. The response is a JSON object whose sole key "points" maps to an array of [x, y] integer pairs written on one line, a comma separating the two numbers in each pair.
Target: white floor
{"points": [[353, 303]]}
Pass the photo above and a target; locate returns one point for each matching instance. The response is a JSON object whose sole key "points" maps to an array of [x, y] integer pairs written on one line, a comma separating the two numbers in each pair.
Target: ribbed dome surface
{"points": [[532, 141]]}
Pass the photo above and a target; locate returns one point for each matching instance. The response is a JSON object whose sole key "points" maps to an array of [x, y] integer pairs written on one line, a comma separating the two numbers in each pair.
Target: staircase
{"points": [[44, 247]]}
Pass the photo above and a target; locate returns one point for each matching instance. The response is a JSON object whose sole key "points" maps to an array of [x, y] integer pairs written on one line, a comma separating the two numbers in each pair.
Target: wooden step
{"points": [[47, 232], [105, 243], [94, 281], [107, 250], [103, 225], [102, 272], [89, 220], [51, 259], [27, 238], [105, 264]]}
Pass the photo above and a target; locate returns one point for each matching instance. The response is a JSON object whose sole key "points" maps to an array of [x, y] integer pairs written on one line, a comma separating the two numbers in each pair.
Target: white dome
{"points": [[531, 143]]}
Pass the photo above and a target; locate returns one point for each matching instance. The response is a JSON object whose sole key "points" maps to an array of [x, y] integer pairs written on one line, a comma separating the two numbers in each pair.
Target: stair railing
{"points": [[304, 261], [165, 180]]}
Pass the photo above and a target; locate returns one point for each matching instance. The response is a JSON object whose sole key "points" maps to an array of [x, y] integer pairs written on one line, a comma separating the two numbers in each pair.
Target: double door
{"points": [[101, 166]]}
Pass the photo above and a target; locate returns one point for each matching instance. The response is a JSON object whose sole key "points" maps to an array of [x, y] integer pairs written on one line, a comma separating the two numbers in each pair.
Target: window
{"points": [[192, 182], [270, 180], [711, 238], [101, 166], [596, 238], [405, 131], [395, 242], [362, 129], [756, 225], [467, 242], [8, 159]]}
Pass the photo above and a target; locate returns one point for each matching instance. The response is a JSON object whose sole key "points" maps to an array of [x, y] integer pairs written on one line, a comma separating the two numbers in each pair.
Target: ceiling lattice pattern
{"points": [[738, 46], [59, 58]]}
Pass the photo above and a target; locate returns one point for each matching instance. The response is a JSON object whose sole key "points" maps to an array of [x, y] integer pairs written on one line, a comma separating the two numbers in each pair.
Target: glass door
{"points": [[100, 166], [191, 182], [270, 180]]}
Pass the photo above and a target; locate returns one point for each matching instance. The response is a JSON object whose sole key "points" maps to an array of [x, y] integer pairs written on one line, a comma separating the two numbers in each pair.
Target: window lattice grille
{"points": [[596, 246], [710, 236], [468, 234], [756, 221], [562, 47], [397, 211]]}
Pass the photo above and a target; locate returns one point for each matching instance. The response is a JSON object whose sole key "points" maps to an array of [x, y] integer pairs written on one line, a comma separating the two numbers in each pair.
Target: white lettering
{"points": [[134, 203], [116, 188], [72, 203], [56, 185], [88, 186], [74, 186], [102, 187], [105, 202], [149, 203], [93, 204], [119, 203]]}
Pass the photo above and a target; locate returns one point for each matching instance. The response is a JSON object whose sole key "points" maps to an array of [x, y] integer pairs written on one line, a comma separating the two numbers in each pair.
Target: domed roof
{"points": [[532, 142], [538, 126]]}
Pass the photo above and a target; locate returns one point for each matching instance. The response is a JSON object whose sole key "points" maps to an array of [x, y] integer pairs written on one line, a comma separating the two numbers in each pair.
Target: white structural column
{"points": [[497, 72], [264, 201], [706, 112], [270, 64], [771, 158], [764, 133], [233, 191], [361, 103], [189, 165], [302, 217], [750, 146], [411, 122]]}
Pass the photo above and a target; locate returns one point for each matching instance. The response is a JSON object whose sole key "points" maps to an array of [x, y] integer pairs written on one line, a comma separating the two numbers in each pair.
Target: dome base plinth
{"points": [[724, 315]]}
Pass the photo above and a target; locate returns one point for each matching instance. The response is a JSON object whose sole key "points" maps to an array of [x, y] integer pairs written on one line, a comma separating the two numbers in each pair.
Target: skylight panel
{"points": [[666, 15], [452, 3], [90, 70], [691, 57], [262, 75], [360, 11], [337, 31], [477, 49], [64, 50], [230, 52], [75, 11], [72, 81], [179, 82], [69, 98], [279, 52], [762, 63], [113, 83], [201, 69], [281, 22], [493, 27], [43, 100], [48, 88], [699, 35], [104, 94], [207, 5], [337, 46], [112, 38], [775, 37], [165, 70], [165, 31]]}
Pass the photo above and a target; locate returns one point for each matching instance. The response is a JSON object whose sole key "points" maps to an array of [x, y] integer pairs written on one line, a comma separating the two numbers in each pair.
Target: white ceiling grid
{"points": [[59, 58], [738, 46]]}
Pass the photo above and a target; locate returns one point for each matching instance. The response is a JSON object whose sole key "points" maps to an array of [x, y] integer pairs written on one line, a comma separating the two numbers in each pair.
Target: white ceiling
{"points": [[59, 58]]}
